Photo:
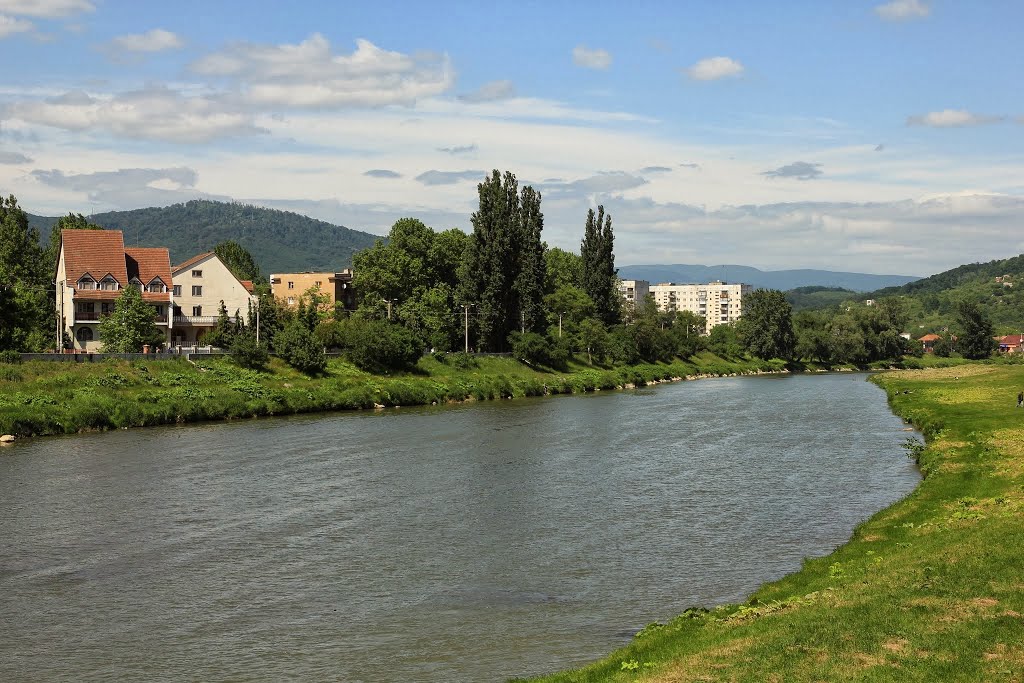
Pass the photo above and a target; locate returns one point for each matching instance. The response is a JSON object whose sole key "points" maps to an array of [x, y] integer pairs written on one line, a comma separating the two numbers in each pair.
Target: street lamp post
{"points": [[465, 309], [560, 314], [389, 302]]}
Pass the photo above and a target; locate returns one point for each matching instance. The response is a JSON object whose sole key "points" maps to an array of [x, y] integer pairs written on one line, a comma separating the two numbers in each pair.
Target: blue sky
{"points": [[879, 136]]}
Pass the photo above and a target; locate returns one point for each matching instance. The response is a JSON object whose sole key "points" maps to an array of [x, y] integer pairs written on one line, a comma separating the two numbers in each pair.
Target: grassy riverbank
{"points": [[931, 589], [41, 398]]}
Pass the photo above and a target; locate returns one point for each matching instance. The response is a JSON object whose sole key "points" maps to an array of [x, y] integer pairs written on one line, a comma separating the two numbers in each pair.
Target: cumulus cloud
{"points": [[155, 40], [952, 118], [11, 25], [450, 177], [714, 68], [463, 149], [310, 75], [154, 114], [129, 187], [382, 173], [801, 170], [14, 158], [46, 9], [591, 59], [902, 10], [491, 92]]}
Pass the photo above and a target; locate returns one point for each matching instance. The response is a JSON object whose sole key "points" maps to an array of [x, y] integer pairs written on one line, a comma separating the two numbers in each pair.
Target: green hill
{"points": [[816, 297], [280, 241]]}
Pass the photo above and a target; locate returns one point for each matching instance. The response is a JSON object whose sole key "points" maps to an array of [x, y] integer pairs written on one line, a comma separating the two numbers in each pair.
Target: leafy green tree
{"points": [[976, 331], [766, 326], [530, 347], [130, 325], [247, 352], [563, 268], [503, 272], [224, 332], [686, 331], [593, 338], [239, 261], [27, 320], [598, 272], [845, 339], [567, 306], [942, 348], [380, 346], [724, 341], [300, 349]]}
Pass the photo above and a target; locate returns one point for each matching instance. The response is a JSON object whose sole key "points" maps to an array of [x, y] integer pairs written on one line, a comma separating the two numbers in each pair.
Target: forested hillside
{"points": [[280, 241]]}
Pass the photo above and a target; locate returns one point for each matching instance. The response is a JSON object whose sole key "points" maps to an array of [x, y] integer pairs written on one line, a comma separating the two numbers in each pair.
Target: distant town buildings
{"points": [[718, 302], [288, 288], [634, 291]]}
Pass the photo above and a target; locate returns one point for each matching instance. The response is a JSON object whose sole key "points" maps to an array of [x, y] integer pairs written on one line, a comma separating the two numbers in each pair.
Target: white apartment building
{"points": [[718, 302], [634, 291]]}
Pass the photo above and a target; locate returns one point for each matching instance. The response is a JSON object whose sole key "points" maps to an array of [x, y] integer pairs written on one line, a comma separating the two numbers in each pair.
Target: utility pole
{"points": [[560, 314], [465, 308], [389, 302], [257, 321]]}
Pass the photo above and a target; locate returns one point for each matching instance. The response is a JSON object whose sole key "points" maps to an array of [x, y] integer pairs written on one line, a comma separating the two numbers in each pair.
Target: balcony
{"points": [[87, 316], [195, 320]]}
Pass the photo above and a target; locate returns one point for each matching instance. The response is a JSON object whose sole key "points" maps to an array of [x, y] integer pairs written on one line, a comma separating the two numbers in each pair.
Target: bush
{"points": [[10, 357], [530, 347], [297, 346], [379, 346], [247, 352]]}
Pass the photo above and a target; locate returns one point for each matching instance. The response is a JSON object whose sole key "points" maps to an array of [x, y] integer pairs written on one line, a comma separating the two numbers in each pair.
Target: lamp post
{"points": [[465, 309], [560, 314], [389, 302], [257, 319]]}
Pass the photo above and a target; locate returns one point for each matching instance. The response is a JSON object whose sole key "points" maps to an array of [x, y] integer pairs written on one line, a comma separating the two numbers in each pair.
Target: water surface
{"points": [[467, 543]]}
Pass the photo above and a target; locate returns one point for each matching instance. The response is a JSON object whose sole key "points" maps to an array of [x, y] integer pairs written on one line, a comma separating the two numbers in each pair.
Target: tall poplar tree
{"points": [[27, 320], [503, 272], [599, 273]]}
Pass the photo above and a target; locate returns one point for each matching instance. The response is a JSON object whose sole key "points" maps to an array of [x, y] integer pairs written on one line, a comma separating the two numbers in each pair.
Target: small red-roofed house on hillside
{"points": [[92, 268], [928, 342], [1011, 343]]}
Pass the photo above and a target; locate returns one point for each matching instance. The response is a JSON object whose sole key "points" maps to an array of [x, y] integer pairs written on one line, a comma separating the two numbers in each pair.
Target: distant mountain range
{"points": [[764, 279], [280, 241]]}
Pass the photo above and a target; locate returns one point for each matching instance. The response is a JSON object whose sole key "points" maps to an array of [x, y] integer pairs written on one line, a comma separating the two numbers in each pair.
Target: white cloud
{"points": [[801, 170], [10, 25], [129, 188], [952, 118], [902, 10], [14, 158], [591, 59], [714, 68], [48, 9], [491, 92], [450, 177], [155, 40], [309, 75], [152, 114]]}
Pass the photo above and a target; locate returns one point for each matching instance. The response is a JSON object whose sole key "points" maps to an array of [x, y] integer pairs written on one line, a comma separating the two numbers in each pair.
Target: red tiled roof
{"points": [[1012, 339], [96, 252], [192, 261], [929, 337], [248, 285], [147, 263]]}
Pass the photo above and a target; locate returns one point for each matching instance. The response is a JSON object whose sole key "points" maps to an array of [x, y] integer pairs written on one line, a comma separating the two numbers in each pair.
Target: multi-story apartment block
{"points": [[200, 284], [288, 288], [92, 269], [634, 291], [718, 302]]}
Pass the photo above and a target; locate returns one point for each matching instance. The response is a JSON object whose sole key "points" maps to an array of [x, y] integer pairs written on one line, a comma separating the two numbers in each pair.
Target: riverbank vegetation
{"points": [[930, 589], [40, 398]]}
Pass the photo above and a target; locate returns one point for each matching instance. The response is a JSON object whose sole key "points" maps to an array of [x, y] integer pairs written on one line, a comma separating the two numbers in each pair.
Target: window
{"points": [[197, 273], [108, 284], [86, 282], [105, 308], [159, 310], [197, 310], [318, 283], [157, 285], [291, 285], [84, 334], [291, 301], [197, 290], [177, 290]]}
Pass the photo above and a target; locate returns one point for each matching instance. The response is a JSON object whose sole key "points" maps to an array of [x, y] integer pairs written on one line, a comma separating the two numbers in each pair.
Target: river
{"points": [[459, 543]]}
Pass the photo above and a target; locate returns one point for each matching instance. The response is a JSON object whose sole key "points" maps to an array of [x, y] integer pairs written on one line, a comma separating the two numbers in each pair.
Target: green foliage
{"points": [[598, 272], [247, 352], [766, 327], [724, 341], [975, 339], [26, 299], [239, 261], [10, 357], [817, 297], [380, 346], [593, 338], [530, 347], [131, 325], [504, 271], [563, 269], [300, 349]]}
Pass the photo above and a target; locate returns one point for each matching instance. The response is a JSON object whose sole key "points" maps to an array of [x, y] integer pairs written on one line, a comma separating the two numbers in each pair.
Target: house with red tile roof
{"points": [[92, 268], [1011, 343], [928, 342], [200, 285]]}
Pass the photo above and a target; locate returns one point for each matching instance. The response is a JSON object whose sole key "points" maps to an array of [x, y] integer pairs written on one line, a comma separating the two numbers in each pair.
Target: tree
{"points": [[247, 352], [564, 268], [976, 331], [593, 338], [598, 272], [131, 325], [26, 302], [766, 326], [224, 333], [239, 261], [503, 272], [300, 349], [379, 346]]}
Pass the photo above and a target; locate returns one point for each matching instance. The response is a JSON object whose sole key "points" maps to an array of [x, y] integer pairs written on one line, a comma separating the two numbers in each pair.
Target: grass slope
{"points": [[930, 589], [42, 398]]}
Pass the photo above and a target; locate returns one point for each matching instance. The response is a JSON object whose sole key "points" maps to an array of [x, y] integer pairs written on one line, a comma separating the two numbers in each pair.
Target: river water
{"points": [[468, 543]]}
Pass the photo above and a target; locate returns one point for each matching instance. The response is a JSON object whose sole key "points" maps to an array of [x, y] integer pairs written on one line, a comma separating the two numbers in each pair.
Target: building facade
{"points": [[289, 288], [717, 302], [200, 285], [92, 268], [633, 292]]}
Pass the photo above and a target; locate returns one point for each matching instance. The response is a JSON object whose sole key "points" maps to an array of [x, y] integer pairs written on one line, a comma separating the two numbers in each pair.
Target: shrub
{"points": [[247, 352], [530, 347], [297, 346], [10, 357], [379, 346]]}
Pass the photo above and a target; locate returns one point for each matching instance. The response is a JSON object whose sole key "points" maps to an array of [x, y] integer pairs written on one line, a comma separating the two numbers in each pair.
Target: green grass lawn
{"points": [[930, 589], [40, 398]]}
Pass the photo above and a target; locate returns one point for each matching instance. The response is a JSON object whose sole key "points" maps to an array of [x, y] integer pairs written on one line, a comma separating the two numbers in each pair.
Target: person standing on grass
{"points": [[1020, 399]]}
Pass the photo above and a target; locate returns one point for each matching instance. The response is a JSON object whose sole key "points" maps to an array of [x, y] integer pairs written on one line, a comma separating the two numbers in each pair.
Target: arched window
{"points": [[84, 334], [108, 283]]}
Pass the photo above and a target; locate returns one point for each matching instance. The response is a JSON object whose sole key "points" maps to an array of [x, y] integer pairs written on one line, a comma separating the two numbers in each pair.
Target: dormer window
{"points": [[136, 283], [108, 284], [156, 285], [86, 282]]}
